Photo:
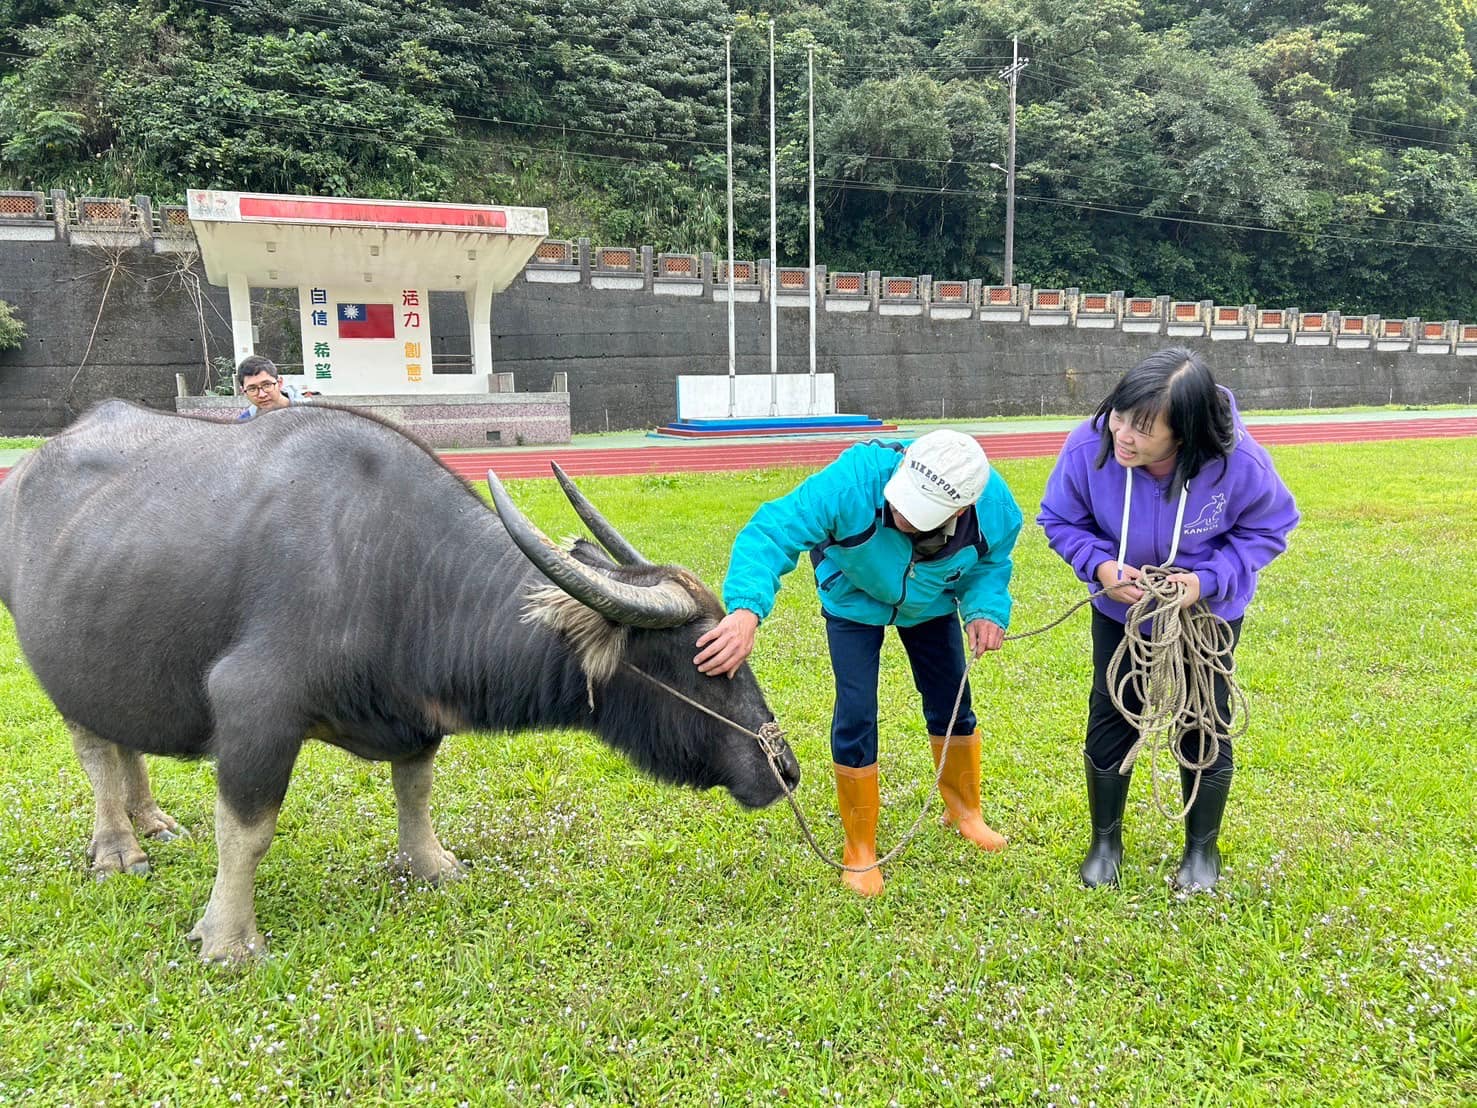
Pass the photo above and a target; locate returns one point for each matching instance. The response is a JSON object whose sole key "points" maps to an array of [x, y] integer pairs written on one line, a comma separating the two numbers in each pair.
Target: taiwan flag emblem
{"points": [[366, 321]]}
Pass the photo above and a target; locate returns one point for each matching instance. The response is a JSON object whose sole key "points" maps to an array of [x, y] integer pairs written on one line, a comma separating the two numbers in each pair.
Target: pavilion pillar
{"points": [[479, 322], [240, 315]]}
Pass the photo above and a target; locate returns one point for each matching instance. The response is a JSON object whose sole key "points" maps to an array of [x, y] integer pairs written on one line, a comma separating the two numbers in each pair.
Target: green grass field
{"points": [[621, 942]]}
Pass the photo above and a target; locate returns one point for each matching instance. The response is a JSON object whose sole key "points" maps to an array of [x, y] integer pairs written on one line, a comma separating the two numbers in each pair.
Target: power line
{"points": [[663, 139], [1305, 233], [1274, 107], [635, 141], [859, 63]]}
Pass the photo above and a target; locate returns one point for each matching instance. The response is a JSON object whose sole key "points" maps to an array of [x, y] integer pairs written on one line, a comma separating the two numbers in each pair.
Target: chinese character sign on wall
{"points": [[367, 340]]}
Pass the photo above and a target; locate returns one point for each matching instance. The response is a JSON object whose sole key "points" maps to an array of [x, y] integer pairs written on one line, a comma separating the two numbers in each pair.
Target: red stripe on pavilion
{"points": [[341, 211]]}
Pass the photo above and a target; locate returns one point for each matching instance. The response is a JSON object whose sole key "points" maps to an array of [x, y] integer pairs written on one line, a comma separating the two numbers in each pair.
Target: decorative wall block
{"points": [[745, 281], [109, 222], [1313, 329], [1396, 334], [1229, 322], [617, 267], [1187, 318], [1049, 308], [1145, 314], [26, 216], [554, 262], [1099, 310], [1356, 332], [1001, 304], [847, 292], [1273, 325], [900, 296], [951, 300], [677, 275], [1440, 337]]}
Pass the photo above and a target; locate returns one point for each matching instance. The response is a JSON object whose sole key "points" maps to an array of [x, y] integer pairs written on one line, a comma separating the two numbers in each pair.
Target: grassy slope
{"points": [[619, 941]]}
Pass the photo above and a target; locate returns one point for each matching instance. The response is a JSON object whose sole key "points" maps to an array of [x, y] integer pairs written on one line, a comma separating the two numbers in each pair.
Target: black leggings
{"points": [[1109, 735]]}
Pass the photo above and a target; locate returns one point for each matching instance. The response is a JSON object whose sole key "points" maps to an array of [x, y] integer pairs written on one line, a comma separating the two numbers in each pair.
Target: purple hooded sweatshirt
{"points": [[1235, 522]]}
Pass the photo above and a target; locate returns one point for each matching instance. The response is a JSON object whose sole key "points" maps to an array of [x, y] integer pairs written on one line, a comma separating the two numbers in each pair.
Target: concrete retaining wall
{"points": [[623, 324], [623, 350]]}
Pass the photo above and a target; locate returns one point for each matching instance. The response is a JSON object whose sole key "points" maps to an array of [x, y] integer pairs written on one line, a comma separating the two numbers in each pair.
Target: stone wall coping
{"points": [[390, 400]]}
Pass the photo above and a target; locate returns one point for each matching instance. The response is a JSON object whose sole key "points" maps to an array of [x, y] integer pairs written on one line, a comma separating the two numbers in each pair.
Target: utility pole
{"points": [[1010, 76]]}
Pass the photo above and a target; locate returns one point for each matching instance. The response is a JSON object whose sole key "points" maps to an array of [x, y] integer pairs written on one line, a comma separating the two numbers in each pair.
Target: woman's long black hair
{"points": [[1177, 383]]}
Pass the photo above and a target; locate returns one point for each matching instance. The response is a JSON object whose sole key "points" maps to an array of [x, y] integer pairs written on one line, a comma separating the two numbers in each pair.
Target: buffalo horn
{"points": [[665, 605], [613, 541]]}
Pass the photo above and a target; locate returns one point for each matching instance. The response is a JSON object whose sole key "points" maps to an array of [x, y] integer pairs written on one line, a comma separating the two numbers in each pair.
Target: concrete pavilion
{"points": [[352, 257]]}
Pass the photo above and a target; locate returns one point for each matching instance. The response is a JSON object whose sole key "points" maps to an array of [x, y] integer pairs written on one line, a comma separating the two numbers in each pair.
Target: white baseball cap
{"points": [[940, 473]]}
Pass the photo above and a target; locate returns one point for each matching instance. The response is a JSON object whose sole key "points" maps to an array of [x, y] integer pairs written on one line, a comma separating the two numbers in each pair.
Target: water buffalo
{"points": [[188, 588]]}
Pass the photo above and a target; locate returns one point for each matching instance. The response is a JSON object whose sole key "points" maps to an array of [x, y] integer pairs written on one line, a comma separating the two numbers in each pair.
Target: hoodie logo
{"points": [[1209, 516]]}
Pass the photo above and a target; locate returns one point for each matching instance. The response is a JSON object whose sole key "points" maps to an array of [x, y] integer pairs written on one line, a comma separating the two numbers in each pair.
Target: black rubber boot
{"points": [[1107, 792], [1200, 867]]}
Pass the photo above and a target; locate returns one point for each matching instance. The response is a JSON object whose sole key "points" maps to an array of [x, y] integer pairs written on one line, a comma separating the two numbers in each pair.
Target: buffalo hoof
{"points": [[117, 855], [157, 824], [437, 867], [220, 946]]}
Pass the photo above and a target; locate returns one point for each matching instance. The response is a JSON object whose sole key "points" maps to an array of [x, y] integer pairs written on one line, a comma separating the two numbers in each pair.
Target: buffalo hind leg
{"points": [[227, 931], [420, 851], [152, 821], [113, 849]]}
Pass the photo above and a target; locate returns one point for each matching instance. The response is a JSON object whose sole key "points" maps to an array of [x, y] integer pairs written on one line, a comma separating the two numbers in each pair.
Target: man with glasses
{"points": [[258, 379]]}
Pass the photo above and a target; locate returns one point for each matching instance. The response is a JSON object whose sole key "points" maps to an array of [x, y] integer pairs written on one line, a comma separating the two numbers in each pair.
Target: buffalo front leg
{"points": [[420, 851], [258, 734], [113, 848], [227, 931], [152, 821]]}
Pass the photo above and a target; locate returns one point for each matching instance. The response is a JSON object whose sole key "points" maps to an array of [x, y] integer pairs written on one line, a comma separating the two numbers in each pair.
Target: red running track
{"points": [[715, 457], [810, 453]]}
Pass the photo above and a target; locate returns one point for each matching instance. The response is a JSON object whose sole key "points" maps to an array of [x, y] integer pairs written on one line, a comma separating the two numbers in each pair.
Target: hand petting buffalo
{"points": [[194, 589]]}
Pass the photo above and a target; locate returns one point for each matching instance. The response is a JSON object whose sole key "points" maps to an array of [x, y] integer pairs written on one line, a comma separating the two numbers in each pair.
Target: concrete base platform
{"points": [[452, 420], [844, 424]]}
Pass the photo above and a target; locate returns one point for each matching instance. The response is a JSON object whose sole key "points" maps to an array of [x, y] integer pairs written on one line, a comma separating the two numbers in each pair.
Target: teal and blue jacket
{"points": [[865, 568]]}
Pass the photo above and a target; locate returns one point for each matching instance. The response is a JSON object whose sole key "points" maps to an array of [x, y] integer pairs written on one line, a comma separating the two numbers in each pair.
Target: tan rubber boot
{"points": [[960, 787], [858, 800]]}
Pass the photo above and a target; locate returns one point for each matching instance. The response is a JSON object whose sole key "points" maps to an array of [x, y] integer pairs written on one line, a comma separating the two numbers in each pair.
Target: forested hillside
{"points": [[1276, 151]]}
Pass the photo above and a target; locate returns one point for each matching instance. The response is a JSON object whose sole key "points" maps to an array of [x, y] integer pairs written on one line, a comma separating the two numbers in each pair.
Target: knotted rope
{"points": [[1159, 676], [1171, 671], [768, 735]]}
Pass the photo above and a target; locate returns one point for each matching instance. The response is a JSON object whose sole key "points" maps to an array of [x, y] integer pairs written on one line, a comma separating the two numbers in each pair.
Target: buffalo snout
{"points": [[758, 786]]}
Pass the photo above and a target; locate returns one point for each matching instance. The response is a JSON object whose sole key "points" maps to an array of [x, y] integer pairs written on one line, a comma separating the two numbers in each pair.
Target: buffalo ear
{"points": [[583, 550], [598, 643]]}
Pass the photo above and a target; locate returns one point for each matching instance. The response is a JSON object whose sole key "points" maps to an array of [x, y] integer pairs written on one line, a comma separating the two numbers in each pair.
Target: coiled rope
{"points": [[1170, 670]]}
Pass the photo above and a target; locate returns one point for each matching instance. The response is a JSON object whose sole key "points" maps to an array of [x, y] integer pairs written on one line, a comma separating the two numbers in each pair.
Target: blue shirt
{"points": [[866, 570]]}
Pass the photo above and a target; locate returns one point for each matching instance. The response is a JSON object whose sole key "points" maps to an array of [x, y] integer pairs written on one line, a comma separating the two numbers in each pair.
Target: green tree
{"points": [[12, 330]]}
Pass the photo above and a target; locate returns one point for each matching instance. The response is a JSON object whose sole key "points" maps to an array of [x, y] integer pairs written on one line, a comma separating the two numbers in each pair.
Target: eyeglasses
{"points": [[262, 389]]}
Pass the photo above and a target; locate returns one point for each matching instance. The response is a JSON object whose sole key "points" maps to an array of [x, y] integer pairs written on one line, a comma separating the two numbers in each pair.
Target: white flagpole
{"points": [[774, 257], [810, 81], [732, 358]]}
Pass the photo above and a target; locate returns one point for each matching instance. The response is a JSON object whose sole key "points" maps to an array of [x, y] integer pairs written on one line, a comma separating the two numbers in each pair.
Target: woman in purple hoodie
{"points": [[1163, 474]]}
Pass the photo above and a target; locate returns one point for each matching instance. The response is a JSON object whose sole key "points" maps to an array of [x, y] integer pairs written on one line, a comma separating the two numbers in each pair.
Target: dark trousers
{"points": [[936, 654], [1109, 735]]}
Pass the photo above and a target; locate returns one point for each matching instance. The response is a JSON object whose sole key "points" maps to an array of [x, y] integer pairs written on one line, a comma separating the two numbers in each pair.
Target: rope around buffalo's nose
{"points": [[1173, 694]]}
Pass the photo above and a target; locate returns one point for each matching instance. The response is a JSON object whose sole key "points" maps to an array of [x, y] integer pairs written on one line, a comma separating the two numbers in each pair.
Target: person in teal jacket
{"points": [[913, 535]]}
